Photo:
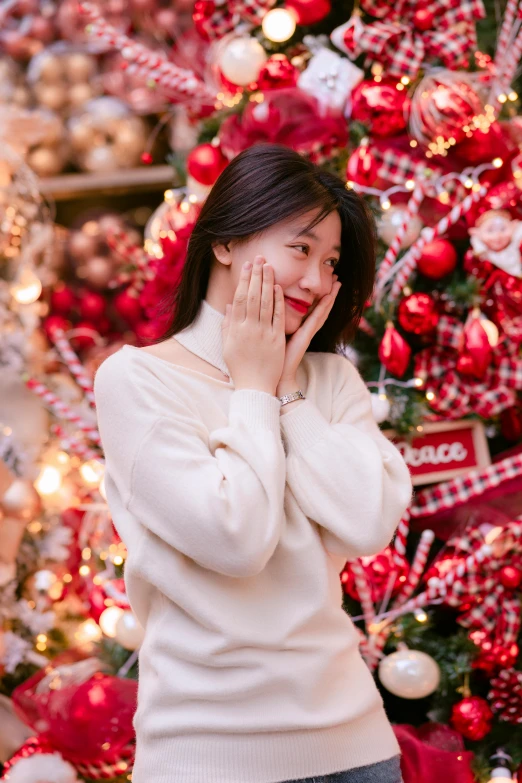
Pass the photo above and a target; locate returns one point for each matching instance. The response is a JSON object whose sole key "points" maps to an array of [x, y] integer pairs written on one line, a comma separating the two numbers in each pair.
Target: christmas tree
{"points": [[414, 105]]}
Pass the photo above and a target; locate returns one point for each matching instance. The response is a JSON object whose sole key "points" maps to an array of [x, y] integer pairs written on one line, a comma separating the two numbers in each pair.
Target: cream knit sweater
{"points": [[237, 522]]}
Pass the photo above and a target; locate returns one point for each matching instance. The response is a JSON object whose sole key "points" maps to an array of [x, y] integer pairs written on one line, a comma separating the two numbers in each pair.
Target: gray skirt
{"points": [[383, 772]]}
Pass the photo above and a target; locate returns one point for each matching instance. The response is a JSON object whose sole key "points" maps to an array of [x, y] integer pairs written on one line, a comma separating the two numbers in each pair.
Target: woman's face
{"points": [[303, 261]]}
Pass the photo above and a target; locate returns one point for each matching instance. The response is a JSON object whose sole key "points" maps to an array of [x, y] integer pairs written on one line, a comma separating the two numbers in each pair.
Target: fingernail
{"points": [[259, 260], [248, 265]]}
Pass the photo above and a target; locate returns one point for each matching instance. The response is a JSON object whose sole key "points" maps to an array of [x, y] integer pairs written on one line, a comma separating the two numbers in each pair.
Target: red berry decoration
{"points": [[146, 158], [63, 299], [493, 657], [506, 696], [438, 259], [309, 11], [510, 577], [394, 351], [380, 106], [205, 163], [418, 314], [423, 19], [472, 717]]}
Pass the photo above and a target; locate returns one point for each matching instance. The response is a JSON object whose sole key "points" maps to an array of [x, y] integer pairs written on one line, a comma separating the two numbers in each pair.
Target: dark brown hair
{"points": [[262, 186]]}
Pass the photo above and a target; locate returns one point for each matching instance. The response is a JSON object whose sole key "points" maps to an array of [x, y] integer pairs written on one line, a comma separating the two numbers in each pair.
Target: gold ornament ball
{"points": [[52, 96], [21, 500], [80, 67], [80, 135], [45, 161], [99, 159], [51, 69], [97, 271], [79, 93], [81, 246]]}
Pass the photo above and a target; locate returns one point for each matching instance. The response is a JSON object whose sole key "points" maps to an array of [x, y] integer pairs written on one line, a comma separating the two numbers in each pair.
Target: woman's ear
{"points": [[222, 253]]}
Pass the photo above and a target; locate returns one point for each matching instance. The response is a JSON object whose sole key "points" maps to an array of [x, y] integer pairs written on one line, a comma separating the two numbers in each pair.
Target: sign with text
{"points": [[443, 450]]}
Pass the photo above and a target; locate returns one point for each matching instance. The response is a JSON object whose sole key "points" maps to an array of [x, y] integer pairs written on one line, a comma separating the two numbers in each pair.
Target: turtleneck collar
{"points": [[203, 337]]}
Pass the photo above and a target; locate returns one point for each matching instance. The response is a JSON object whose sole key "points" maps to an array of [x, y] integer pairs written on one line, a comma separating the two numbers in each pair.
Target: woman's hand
{"points": [[297, 345]]}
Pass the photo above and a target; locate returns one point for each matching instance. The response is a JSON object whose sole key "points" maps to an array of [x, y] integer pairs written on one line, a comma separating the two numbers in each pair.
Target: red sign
{"points": [[444, 450]]}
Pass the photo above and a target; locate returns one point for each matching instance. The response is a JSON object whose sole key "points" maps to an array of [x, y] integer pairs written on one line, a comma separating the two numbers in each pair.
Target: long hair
{"points": [[262, 186]]}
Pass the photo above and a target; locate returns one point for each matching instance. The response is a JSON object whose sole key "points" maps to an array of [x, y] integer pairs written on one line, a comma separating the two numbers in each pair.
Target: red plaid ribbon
{"points": [[401, 49], [456, 395], [398, 163], [489, 608], [215, 21]]}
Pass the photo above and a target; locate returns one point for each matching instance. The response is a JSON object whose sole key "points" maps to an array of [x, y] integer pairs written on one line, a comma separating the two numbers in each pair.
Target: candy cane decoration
{"points": [[364, 592], [506, 35], [408, 263], [73, 364], [172, 80], [70, 443], [417, 567], [509, 66], [401, 538], [393, 250], [61, 409]]}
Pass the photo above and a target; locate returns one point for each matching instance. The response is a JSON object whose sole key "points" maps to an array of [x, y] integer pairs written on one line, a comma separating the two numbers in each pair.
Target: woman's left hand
{"points": [[298, 343]]}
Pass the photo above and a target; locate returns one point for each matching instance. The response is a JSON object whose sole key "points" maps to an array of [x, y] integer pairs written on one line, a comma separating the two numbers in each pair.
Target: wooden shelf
{"points": [[67, 187]]}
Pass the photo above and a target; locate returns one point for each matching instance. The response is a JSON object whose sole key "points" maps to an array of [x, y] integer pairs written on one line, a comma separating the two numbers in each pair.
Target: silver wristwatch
{"points": [[286, 398]]}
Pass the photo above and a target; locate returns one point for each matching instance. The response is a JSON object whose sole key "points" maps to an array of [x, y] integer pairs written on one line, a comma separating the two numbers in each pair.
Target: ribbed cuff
{"points": [[257, 408], [303, 426]]}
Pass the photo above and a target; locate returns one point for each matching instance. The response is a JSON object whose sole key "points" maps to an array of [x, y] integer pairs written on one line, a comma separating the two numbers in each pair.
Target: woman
{"points": [[243, 468]]}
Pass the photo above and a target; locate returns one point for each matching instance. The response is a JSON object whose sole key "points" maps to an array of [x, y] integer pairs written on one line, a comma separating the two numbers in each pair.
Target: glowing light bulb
{"points": [[87, 632], [92, 472], [410, 184], [278, 25], [27, 287], [420, 615], [386, 204], [49, 480], [497, 162]]}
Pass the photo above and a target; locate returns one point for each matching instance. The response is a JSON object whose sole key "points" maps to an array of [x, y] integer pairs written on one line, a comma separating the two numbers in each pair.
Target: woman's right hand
{"points": [[254, 330]]}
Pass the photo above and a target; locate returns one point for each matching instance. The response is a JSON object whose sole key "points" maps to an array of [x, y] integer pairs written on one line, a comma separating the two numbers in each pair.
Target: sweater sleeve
{"points": [[346, 475], [216, 497]]}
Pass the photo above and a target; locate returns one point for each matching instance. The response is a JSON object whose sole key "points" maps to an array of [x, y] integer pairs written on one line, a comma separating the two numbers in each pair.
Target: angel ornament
{"points": [[496, 237]]}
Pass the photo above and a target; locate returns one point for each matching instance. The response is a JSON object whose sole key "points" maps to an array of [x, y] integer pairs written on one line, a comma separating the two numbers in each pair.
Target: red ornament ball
{"points": [[87, 337], [205, 163], [92, 305], [54, 322], [510, 577], [423, 19], [362, 167], [418, 314], [146, 158], [309, 12], [438, 259], [472, 717], [276, 73], [128, 307], [380, 106], [63, 299]]}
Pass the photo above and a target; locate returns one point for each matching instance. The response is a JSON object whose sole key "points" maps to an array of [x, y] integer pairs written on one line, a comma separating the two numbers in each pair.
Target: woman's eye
{"points": [[302, 248], [334, 262]]}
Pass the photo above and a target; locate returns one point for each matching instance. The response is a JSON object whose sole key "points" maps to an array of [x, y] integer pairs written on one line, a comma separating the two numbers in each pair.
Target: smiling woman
{"points": [[272, 202]]}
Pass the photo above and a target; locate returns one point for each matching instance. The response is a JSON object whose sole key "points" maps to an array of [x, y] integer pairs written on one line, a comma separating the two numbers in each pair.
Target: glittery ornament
{"points": [[418, 314], [410, 674], [472, 717], [276, 73], [205, 163], [362, 166], [380, 106]]}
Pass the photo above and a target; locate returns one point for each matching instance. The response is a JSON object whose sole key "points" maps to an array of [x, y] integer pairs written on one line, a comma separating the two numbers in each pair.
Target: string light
{"points": [[512, 96], [502, 98], [497, 162], [420, 615], [49, 480], [430, 396], [385, 203], [27, 287]]}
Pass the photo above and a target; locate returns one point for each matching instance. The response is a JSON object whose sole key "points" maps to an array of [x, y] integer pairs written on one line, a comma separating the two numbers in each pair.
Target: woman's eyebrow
{"points": [[310, 234]]}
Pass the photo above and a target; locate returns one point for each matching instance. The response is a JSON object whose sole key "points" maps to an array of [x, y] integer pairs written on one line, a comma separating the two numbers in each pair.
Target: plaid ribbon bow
{"points": [[214, 20], [489, 608], [457, 395], [401, 48]]}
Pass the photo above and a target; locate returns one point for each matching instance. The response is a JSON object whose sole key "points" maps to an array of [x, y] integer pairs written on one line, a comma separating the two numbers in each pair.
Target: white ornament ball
{"points": [[390, 221], [129, 633], [380, 408], [241, 60], [410, 674]]}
